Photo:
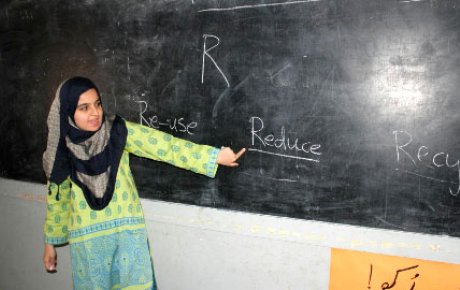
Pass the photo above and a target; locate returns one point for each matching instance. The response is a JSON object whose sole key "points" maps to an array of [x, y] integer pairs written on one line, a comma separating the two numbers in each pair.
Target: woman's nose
{"points": [[94, 111]]}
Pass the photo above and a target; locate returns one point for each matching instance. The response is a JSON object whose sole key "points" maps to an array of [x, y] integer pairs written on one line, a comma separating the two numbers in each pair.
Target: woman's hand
{"points": [[50, 258], [227, 157]]}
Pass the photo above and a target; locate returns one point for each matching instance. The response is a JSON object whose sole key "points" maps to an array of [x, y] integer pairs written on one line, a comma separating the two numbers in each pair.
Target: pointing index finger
{"points": [[240, 153]]}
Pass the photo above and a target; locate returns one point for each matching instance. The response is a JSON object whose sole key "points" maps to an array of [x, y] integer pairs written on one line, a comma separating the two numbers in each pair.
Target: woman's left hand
{"points": [[227, 157]]}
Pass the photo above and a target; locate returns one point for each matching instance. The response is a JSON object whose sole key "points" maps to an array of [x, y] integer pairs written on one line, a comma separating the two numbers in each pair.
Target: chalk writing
{"points": [[282, 143], [206, 54], [257, 6], [423, 155], [173, 124], [410, 1]]}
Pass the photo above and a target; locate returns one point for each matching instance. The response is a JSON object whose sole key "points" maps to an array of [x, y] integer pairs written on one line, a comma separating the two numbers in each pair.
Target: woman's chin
{"points": [[92, 128]]}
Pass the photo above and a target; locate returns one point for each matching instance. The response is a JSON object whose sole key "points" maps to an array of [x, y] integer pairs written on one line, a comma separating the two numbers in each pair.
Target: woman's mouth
{"points": [[94, 123]]}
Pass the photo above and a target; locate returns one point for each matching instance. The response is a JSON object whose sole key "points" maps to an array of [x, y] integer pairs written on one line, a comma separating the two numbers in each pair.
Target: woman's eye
{"points": [[83, 108]]}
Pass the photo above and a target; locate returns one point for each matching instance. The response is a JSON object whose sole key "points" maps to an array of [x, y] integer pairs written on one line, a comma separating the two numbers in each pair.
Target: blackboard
{"points": [[350, 109]]}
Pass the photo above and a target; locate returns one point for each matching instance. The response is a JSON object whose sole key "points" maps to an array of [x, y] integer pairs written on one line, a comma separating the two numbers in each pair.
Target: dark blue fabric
{"points": [[109, 157]]}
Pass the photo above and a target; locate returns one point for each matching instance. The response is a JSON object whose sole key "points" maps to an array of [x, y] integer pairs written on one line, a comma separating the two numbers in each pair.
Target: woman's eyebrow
{"points": [[83, 104]]}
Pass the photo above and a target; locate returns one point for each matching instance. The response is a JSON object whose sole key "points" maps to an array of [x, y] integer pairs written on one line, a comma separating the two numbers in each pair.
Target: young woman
{"points": [[92, 202]]}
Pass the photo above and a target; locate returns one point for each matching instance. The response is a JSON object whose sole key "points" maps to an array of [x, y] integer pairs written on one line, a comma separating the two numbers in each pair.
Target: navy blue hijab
{"points": [[67, 144]]}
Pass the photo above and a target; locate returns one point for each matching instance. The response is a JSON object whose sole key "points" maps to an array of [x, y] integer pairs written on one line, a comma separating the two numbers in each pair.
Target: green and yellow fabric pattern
{"points": [[69, 219]]}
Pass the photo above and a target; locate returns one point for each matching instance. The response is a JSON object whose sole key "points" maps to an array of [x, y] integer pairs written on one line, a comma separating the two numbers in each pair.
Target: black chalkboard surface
{"points": [[350, 109]]}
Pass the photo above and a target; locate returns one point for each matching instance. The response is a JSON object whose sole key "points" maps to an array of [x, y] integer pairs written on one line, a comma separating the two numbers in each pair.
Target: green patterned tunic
{"points": [[109, 248]]}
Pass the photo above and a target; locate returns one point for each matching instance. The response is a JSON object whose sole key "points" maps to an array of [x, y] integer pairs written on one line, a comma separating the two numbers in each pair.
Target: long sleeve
{"points": [[153, 144], [57, 213]]}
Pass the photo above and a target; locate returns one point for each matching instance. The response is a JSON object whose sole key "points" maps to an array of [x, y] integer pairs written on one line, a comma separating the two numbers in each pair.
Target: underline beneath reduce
{"points": [[283, 155]]}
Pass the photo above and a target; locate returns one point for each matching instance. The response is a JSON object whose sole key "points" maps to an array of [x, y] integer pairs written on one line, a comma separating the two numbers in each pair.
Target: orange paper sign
{"points": [[364, 271]]}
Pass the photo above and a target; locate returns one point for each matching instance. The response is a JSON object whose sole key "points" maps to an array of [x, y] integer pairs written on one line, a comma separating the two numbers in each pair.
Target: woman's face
{"points": [[88, 115]]}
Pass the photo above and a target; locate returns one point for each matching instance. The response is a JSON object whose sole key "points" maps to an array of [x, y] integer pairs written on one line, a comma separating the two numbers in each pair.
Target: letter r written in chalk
{"points": [[206, 54]]}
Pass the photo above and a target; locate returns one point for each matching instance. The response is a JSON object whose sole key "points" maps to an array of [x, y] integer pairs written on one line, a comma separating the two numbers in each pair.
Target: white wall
{"points": [[207, 249]]}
